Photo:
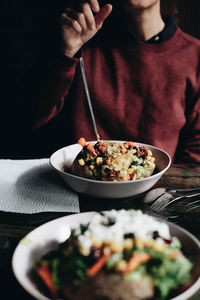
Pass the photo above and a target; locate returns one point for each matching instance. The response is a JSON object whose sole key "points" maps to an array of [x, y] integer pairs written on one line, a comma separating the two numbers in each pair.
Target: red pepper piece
{"points": [[46, 276]]}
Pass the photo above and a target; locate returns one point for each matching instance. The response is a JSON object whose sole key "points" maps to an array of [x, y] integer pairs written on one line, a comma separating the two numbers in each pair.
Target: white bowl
{"points": [[107, 189], [47, 236]]}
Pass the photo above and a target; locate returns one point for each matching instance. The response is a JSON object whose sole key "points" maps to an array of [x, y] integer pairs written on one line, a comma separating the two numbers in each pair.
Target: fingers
{"points": [[84, 19], [65, 20], [102, 15], [76, 17], [94, 4], [89, 17]]}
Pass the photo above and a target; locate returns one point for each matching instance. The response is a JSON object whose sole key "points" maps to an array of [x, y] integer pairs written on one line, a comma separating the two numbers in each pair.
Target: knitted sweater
{"points": [[142, 92]]}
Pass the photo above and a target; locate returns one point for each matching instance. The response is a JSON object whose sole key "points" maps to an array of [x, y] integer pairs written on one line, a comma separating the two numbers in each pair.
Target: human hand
{"points": [[79, 26]]}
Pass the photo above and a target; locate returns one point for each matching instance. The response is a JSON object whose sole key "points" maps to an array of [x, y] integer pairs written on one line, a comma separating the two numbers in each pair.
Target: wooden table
{"points": [[13, 226]]}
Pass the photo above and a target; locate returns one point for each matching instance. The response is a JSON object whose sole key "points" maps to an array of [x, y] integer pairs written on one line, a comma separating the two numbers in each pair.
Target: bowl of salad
{"points": [[114, 255], [110, 169]]}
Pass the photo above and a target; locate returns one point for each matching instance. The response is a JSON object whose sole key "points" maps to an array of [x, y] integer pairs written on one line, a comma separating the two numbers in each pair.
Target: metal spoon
{"points": [[154, 194], [157, 193], [88, 97]]}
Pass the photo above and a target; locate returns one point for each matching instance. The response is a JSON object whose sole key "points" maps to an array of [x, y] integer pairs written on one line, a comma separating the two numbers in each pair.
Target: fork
{"points": [[167, 198]]}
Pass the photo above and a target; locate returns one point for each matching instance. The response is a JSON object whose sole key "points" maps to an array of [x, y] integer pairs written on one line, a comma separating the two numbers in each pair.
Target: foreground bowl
{"points": [[47, 236], [64, 157]]}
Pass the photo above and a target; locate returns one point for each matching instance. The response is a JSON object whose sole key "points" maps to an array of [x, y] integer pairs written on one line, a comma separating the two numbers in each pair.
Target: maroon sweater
{"points": [[142, 92]]}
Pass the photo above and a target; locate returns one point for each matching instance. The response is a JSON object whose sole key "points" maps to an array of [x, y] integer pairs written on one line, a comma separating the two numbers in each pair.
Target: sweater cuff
{"points": [[63, 62]]}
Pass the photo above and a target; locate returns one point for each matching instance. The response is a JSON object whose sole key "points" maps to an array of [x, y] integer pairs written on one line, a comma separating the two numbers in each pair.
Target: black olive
{"points": [[83, 228], [85, 148], [96, 146], [167, 241], [135, 163], [155, 235], [83, 153], [102, 213], [110, 221], [88, 162], [129, 235]]}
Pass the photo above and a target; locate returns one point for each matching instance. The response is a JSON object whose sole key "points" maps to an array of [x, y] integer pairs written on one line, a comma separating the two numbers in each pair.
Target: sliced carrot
{"points": [[135, 261], [46, 276], [94, 269], [129, 144], [82, 141], [103, 148], [174, 254], [113, 173], [105, 179], [91, 148], [132, 176]]}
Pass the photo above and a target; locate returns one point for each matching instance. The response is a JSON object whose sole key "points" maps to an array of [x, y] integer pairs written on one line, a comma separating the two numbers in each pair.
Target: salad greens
{"points": [[158, 262]]}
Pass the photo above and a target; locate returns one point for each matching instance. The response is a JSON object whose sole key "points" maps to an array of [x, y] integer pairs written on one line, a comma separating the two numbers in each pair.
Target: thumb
{"points": [[102, 15]]}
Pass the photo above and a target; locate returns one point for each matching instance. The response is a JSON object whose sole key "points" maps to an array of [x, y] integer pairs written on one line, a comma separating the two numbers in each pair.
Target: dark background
{"points": [[28, 30], [186, 13]]}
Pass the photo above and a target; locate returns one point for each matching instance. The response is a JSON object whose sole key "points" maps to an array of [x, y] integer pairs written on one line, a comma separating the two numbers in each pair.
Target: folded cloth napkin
{"points": [[32, 186]]}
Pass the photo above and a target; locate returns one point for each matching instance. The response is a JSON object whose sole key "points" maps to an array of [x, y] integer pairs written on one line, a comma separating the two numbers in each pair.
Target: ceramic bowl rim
{"points": [[112, 182]]}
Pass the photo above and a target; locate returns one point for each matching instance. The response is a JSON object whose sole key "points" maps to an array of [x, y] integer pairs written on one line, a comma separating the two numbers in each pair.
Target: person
{"points": [[143, 76]]}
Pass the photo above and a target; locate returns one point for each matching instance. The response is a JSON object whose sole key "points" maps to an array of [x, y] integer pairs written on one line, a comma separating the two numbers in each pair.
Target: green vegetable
{"points": [[167, 273], [113, 260], [68, 270]]}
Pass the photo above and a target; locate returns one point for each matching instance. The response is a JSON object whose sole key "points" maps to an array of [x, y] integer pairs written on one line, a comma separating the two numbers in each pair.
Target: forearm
{"points": [[55, 89]]}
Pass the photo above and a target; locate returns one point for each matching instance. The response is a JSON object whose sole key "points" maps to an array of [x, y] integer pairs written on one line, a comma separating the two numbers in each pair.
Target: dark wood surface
{"points": [[13, 226]]}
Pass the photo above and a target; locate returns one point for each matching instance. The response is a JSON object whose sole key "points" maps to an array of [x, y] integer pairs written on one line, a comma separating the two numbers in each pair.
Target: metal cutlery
{"points": [[88, 97], [159, 199]]}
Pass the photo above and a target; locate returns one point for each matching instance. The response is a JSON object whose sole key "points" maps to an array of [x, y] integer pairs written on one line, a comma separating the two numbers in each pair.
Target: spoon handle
{"points": [[88, 97]]}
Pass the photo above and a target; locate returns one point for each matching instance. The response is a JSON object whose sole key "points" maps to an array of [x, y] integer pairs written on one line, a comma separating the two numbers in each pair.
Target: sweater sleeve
{"points": [[189, 142], [56, 86]]}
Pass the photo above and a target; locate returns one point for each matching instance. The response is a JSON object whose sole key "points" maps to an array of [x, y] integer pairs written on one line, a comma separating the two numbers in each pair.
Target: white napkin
{"points": [[32, 186]]}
